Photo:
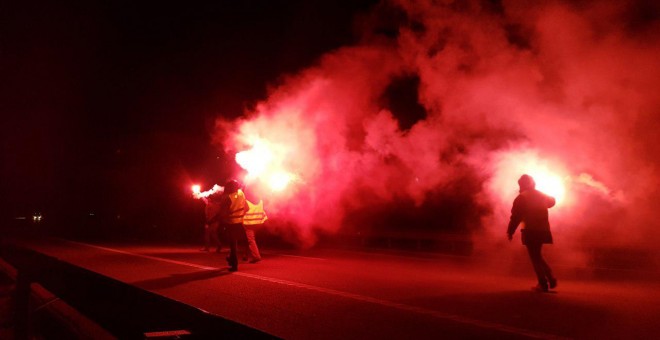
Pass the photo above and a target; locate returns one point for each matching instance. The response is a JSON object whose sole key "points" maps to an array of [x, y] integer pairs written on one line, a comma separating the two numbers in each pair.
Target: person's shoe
{"points": [[233, 269], [539, 288], [552, 282], [255, 260]]}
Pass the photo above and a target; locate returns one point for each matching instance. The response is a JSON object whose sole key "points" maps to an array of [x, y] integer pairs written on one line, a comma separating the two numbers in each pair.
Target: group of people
{"points": [[231, 215]]}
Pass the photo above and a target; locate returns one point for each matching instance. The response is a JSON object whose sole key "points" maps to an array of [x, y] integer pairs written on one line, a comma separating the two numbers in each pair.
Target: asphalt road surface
{"points": [[344, 294]]}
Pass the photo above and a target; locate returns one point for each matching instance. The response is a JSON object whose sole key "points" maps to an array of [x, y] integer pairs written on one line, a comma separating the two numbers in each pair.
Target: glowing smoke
{"points": [[264, 162], [559, 89]]}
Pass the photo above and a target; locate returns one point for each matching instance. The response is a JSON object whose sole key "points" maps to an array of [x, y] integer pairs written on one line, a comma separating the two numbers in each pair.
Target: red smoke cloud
{"points": [[570, 88]]}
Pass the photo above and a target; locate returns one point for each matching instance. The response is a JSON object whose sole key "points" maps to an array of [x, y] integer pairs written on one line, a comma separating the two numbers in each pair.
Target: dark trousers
{"points": [[541, 268], [212, 236], [235, 232]]}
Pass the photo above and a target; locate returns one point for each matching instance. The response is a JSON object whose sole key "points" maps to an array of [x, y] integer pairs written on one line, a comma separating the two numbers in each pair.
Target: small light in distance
{"points": [[196, 189]]}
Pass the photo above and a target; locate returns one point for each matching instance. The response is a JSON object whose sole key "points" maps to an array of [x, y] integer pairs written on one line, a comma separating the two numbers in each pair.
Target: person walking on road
{"points": [[233, 207], [211, 236], [253, 220], [531, 208]]}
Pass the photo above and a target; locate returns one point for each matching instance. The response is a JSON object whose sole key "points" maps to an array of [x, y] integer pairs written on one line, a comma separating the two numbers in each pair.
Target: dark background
{"points": [[107, 106]]}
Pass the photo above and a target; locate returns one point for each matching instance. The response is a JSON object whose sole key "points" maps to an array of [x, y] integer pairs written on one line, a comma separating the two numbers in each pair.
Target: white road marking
{"points": [[357, 297], [408, 308], [147, 256], [302, 257]]}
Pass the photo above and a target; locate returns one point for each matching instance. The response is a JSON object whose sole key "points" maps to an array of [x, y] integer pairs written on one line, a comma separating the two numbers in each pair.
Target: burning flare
{"points": [[255, 160], [197, 194], [549, 183], [551, 177], [264, 163], [279, 181]]}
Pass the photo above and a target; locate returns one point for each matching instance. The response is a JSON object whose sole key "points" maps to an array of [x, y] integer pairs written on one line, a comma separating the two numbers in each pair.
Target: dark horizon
{"points": [[388, 114], [109, 107]]}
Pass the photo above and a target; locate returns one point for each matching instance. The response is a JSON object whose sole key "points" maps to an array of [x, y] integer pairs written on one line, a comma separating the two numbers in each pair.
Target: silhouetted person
{"points": [[211, 226], [232, 209], [531, 208]]}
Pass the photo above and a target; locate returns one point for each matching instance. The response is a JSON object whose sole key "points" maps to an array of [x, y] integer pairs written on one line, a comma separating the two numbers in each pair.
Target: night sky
{"points": [[107, 107], [385, 115]]}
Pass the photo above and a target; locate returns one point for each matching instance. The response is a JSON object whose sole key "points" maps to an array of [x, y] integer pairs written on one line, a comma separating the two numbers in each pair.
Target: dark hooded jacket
{"points": [[531, 208]]}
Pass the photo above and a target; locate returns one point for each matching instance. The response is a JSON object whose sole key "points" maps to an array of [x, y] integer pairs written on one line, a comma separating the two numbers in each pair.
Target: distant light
{"points": [[196, 189], [36, 217]]}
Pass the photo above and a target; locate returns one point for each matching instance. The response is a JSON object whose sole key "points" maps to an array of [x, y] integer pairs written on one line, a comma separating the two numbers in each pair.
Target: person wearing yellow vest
{"points": [[254, 219], [233, 207]]}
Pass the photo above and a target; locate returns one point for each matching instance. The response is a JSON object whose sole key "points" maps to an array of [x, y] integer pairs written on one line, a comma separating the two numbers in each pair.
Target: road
{"points": [[345, 294]]}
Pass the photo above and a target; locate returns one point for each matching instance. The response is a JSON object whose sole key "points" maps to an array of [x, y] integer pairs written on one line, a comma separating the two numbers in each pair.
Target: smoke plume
{"points": [[496, 87]]}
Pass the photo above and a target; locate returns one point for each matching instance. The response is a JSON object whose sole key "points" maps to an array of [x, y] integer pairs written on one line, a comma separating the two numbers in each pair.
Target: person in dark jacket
{"points": [[531, 208], [211, 231], [233, 207]]}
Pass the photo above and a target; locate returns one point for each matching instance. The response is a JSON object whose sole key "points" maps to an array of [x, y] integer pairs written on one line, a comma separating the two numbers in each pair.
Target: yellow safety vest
{"points": [[237, 208], [255, 214]]}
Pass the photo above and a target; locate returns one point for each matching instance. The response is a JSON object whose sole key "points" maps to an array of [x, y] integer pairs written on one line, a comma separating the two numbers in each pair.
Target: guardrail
{"points": [[125, 311]]}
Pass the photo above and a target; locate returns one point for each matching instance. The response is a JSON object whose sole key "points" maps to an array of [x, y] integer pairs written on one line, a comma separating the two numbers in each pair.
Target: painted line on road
{"points": [[303, 257], [357, 297], [407, 308], [188, 264]]}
